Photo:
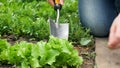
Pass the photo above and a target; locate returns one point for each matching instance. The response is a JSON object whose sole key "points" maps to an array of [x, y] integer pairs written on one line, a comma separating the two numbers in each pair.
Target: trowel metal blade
{"points": [[59, 30]]}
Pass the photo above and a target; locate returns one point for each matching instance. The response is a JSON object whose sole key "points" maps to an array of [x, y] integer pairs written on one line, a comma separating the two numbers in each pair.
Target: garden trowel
{"points": [[56, 28]]}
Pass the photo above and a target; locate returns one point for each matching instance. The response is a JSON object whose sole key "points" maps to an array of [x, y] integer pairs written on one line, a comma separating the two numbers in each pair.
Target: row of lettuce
{"points": [[56, 53], [29, 18]]}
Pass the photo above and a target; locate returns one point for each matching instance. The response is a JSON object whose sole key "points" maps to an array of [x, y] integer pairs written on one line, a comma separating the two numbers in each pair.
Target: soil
{"points": [[87, 53]]}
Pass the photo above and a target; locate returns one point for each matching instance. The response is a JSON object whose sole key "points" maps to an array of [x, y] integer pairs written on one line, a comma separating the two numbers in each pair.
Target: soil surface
{"points": [[88, 53]]}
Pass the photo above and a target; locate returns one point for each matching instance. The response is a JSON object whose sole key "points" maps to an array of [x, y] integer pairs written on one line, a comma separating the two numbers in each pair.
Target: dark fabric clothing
{"points": [[117, 4], [98, 15]]}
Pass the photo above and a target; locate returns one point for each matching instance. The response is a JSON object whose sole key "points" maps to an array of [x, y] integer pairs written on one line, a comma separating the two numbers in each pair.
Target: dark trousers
{"points": [[97, 15]]}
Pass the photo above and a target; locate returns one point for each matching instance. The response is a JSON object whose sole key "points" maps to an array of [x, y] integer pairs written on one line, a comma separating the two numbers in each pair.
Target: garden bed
{"points": [[88, 53], [26, 20]]}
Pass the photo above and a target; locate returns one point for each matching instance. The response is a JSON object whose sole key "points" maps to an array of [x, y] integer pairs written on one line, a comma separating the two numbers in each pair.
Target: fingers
{"points": [[112, 40], [118, 30], [114, 37], [61, 2], [51, 2]]}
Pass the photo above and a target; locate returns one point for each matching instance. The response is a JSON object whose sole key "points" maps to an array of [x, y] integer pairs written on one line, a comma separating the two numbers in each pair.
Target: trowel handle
{"points": [[57, 5], [57, 1]]}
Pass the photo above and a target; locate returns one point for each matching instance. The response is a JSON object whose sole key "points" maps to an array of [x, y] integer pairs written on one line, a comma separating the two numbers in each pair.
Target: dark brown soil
{"points": [[88, 53]]}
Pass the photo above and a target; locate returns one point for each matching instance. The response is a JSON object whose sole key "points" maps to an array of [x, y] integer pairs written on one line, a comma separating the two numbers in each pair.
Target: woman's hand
{"points": [[52, 2], [114, 37]]}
